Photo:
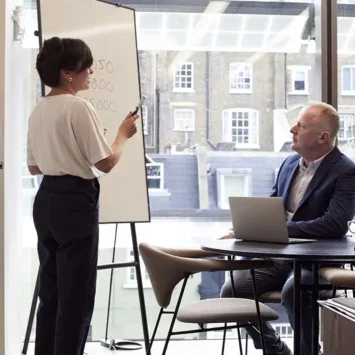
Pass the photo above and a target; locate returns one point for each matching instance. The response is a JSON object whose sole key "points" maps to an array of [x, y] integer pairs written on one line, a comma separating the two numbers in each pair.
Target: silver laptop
{"points": [[261, 219]]}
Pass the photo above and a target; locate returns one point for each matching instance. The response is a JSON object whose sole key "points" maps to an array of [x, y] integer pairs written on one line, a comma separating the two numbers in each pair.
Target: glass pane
{"points": [[234, 186], [346, 79], [300, 85], [154, 183], [346, 65], [300, 76]]}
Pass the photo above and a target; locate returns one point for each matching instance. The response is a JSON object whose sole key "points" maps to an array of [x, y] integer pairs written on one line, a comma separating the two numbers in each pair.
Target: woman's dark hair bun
{"points": [[53, 46]]}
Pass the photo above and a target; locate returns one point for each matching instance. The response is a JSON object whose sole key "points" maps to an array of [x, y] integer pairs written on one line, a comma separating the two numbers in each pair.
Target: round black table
{"points": [[314, 253]]}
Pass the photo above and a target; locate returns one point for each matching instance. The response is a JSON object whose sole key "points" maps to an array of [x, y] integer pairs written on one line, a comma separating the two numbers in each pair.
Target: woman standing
{"points": [[67, 146]]}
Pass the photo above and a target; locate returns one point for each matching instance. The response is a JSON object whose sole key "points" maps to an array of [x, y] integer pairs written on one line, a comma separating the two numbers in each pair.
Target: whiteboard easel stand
{"points": [[108, 343]]}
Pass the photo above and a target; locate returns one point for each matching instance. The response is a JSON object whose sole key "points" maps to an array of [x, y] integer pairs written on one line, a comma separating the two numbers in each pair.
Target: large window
{"points": [[241, 126], [346, 77], [224, 82]]}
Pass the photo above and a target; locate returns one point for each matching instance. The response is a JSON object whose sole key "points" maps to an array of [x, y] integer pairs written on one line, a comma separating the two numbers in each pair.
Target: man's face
{"points": [[306, 134]]}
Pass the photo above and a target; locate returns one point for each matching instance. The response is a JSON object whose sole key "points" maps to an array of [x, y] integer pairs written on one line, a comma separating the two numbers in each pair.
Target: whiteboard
{"points": [[110, 32]]}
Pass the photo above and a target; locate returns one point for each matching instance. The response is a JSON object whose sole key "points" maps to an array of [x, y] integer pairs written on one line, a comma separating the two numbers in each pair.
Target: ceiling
{"points": [[215, 30]]}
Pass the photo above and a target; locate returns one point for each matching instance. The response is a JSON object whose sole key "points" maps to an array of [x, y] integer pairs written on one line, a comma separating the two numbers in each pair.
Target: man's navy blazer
{"points": [[329, 201]]}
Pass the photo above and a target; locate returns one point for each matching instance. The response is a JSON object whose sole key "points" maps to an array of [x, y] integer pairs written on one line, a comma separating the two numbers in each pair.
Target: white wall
{"points": [[14, 108], [2, 114]]}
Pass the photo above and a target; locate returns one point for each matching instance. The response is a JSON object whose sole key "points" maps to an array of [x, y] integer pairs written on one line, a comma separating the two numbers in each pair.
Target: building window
{"points": [[145, 119], [184, 120], [184, 77], [346, 130], [131, 272], [232, 182], [348, 79], [299, 78], [240, 78], [155, 176], [284, 330], [241, 126]]}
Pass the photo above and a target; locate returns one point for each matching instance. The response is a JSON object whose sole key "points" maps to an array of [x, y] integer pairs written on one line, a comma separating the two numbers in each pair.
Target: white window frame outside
{"points": [[350, 92], [177, 127], [349, 121], [221, 173], [132, 283], [145, 119], [284, 329], [161, 177], [227, 127], [233, 74], [299, 69], [177, 73]]}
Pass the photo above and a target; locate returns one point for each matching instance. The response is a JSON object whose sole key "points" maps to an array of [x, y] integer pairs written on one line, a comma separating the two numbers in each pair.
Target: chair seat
{"points": [[339, 277], [224, 310]]}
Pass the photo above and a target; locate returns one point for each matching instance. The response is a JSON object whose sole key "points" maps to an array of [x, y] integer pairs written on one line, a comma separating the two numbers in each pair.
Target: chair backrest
{"points": [[166, 268], [164, 271]]}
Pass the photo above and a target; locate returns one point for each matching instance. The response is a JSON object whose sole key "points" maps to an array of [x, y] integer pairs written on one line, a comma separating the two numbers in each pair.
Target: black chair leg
{"points": [[224, 338], [246, 343], [352, 269], [155, 329], [335, 291], [240, 341], [174, 316], [252, 272]]}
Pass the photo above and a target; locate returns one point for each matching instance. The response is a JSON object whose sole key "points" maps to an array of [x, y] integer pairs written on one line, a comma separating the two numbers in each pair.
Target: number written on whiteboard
{"points": [[102, 64], [102, 105], [101, 85]]}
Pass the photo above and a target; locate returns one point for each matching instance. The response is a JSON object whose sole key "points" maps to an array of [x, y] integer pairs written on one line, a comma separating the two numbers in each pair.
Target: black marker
{"points": [[138, 107]]}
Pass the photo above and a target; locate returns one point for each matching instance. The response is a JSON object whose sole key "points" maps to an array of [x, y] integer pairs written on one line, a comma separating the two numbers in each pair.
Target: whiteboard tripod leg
{"points": [[110, 343], [31, 316]]}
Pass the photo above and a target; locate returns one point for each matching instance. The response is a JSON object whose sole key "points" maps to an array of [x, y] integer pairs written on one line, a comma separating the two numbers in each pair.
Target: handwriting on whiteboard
{"points": [[102, 85]]}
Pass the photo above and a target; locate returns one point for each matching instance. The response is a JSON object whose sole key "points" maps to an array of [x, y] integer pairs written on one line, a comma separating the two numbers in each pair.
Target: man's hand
{"points": [[227, 236]]}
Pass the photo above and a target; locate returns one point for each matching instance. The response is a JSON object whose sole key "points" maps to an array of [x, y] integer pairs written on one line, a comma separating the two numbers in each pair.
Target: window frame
{"points": [[145, 119], [193, 118], [241, 145], [221, 173], [346, 116], [133, 283], [231, 75], [344, 92], [177, 69], [161, 177], [299, 68]]}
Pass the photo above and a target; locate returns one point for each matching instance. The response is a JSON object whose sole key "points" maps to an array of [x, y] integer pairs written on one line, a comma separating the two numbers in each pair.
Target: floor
{"points": [[206, 347]]}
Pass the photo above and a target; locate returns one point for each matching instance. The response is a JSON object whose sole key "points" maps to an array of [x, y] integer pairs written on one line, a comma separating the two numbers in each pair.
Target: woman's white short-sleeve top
{"points": [[65, 137]]}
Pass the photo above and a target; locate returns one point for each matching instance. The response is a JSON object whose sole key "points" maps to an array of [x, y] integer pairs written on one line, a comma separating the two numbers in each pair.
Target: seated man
{"points": [[318, 188]]}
